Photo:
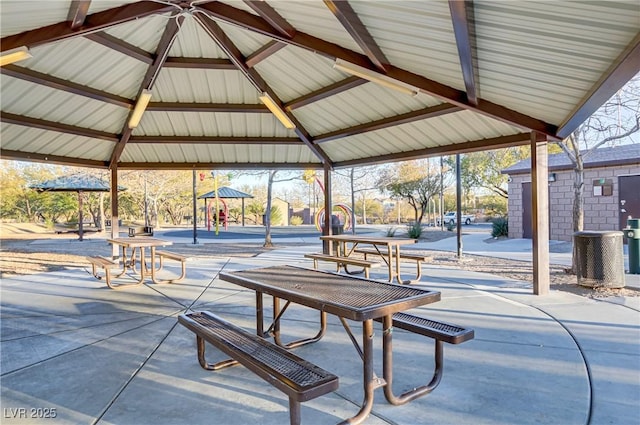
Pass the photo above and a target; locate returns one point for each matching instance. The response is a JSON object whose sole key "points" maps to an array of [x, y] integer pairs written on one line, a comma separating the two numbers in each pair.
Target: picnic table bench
{"points": [[440, 332], [294, 376], [343, 261], [171, 256], [106, 264], [418, 258]]}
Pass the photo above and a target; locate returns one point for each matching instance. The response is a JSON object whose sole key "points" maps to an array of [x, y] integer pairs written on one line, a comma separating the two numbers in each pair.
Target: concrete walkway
{"points": [[73, 349]]}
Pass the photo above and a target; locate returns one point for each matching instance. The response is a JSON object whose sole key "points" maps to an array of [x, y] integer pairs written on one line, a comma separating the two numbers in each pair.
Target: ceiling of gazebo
{"points": [[486, 74]]}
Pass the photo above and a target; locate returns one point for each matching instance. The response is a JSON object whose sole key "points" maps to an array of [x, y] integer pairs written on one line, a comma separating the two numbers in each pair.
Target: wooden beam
{"points": [[333, 51], [325, 92], [540, 214], [264, 52], [50, 159], [199, 63], [218, 140], [356, 29], [121, 46], [217, 166], [207, 107], [462, 20], [64, 85], [272, 17], [93, 23], [164, 45], [216, 33], [625, 67], [78, 13], [25, 121], [463, 147], [421, 114]]}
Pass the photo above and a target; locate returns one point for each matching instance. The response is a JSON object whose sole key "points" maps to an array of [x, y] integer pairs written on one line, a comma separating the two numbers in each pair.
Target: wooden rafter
{"points": [[223, 41], [207, 107], [462, 20], [199, 63], [264, 52], [50, 159], [421, 114], [272, 17], [164, 45], [64, 85], [93, 23], [25, 121], [121, 46], [463, 147], [78, 13], [218, 140], [325, 92], [217, 166], [356, 29], [626, 66], [331, 50]]}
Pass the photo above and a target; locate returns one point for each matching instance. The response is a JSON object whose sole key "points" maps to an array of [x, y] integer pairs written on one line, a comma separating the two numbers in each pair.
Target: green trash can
{"points": [[599, 259], [632, 233]]}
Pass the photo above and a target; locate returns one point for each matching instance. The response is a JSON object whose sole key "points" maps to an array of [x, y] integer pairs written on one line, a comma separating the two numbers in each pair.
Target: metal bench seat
{"points": [[294, 376]]}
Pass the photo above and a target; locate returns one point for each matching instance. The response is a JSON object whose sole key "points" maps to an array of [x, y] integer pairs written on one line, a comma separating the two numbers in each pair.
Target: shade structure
{"points": [[75, 183], [227, 193]]}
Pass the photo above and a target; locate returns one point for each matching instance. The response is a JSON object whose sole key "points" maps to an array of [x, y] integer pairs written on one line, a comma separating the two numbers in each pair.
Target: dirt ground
{"points": [[30, 248]]}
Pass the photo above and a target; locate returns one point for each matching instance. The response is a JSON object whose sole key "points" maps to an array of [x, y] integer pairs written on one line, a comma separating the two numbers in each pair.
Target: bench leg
{"points": [[295, 418], [160, 281], [387, 367], [211, 366]]}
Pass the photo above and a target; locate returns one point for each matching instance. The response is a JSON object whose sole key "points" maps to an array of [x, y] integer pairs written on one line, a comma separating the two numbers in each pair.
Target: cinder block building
{"points": [[611, 192]]}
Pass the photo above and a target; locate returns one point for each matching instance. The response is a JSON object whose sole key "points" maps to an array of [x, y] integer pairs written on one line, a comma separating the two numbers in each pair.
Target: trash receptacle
{"points": [[632, 233], [599, 259]]}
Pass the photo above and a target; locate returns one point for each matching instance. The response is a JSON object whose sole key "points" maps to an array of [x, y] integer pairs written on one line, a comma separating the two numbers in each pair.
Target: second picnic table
{"points": [[390, 252]]}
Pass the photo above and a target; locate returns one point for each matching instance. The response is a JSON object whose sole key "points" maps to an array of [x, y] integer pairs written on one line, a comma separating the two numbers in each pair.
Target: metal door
{"points": [[629, 199]]}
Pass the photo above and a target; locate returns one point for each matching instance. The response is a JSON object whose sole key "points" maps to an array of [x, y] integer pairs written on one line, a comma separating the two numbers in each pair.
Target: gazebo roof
{"points": [[363, 82], [74, 183], [225, 192]]}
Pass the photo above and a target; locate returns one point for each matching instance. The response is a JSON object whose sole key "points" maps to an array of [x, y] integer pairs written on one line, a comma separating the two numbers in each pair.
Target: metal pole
{"points": [[458, 204], [441, 195], [195, 211]]}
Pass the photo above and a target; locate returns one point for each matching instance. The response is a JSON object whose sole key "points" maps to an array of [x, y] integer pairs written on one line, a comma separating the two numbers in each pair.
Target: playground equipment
{"points": [[344, 212]]}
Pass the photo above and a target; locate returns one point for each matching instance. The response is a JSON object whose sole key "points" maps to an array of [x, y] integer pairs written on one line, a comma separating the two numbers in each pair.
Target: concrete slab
{"points": [[99, 356]]}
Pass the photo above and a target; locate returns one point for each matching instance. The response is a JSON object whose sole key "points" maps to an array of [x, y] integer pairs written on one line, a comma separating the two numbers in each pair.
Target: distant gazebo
{"points": [[226, 193], [75, 183]]}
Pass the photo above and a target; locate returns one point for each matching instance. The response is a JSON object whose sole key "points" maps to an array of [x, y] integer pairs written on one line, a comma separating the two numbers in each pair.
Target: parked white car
{"points": [[450, 217]]}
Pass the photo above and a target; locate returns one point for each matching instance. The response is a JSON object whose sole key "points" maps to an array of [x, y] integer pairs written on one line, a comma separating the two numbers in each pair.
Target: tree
{"points": [[413, 181], [361, 180], [267, 222], [615, 122]]}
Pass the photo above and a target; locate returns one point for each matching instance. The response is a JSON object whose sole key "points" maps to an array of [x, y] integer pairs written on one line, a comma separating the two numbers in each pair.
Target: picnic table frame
{"points": [[346, 297], [391, 257], [139, 244]]}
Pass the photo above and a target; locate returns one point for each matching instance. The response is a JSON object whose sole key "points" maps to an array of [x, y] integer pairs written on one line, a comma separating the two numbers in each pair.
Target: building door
{"points": [[527, 221], [629, 199]]}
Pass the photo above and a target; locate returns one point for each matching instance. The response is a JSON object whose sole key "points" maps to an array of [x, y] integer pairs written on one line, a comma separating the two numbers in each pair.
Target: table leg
{"points": [[124, 262], [259, 315], [370, 381], [390, 262]]}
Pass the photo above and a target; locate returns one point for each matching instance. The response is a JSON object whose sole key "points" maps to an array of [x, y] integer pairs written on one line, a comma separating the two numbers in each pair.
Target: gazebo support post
{"points": [[328, 208], [80, 218], [115, 228], [539, 213]]}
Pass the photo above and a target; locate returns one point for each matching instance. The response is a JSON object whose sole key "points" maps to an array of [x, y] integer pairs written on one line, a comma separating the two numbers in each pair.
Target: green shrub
{"points": [[414, 230], [500, 227], [391, 232], [296, 220]]}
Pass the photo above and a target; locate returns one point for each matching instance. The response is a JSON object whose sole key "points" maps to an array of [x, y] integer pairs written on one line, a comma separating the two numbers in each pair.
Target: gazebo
{"points": [[306, 84], [79, 183], [226, 193]]}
